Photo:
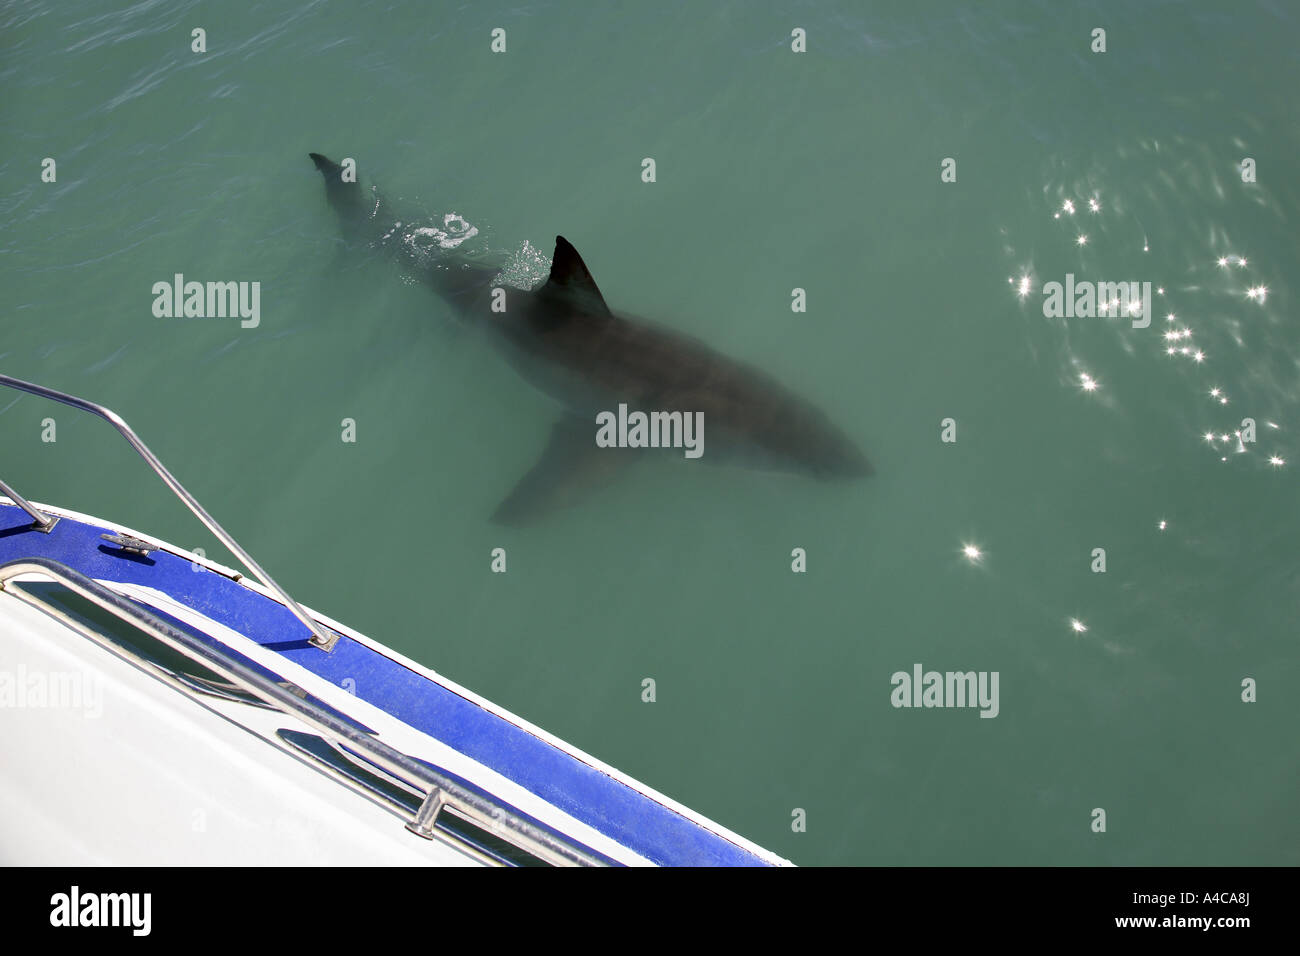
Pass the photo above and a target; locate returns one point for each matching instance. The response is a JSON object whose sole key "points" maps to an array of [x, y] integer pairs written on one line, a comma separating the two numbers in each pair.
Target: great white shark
{"points": [[564, 339]]}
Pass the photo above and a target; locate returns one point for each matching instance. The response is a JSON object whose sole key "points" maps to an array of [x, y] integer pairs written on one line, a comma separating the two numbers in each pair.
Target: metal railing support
{"points": [[320, 637], [44, 522]]}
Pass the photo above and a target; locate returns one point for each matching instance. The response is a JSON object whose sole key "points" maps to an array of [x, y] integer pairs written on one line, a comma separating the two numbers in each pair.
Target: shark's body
{"points": [[563, 339]]}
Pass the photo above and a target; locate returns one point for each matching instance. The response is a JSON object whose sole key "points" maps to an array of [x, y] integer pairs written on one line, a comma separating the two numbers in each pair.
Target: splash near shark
{"points": [[602, 367]]}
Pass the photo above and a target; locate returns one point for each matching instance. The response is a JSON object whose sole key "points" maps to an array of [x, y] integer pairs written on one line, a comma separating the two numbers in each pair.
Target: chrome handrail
{"points": [[321, 637], [439, 789]]}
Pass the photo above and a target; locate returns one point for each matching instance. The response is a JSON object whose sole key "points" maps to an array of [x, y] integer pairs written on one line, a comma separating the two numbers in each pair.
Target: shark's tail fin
{"points": [[327, 166], [344, 193]]}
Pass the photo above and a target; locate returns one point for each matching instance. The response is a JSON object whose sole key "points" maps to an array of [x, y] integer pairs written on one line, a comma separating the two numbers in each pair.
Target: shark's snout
{"points": [[842, 461]]}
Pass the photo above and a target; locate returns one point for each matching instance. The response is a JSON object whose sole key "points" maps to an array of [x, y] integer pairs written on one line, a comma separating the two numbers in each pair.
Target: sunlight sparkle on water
{"points": [[1078, 625], [1276, 462], [973, 553]]}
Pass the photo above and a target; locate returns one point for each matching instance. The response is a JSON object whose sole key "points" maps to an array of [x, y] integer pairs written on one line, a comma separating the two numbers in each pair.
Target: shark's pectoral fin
{"points": [[571, 465]]}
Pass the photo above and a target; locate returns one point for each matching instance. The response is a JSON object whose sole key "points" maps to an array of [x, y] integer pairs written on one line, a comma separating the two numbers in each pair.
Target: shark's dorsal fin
{"points": [[570, 278]]}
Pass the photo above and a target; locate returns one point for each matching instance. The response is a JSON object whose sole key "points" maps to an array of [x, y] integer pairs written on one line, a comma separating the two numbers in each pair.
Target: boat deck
{"points": [[522, 770]]}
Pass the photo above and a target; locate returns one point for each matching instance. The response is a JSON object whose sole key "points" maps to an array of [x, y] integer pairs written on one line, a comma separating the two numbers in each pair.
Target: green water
{"points": [[775, 170]]}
